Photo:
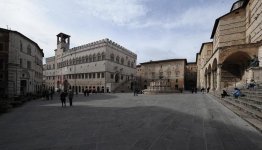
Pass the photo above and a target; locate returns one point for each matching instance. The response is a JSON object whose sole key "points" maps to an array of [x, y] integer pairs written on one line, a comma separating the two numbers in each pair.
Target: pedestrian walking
{"points": [[136, 92], [52, 94], [47, 94], [70, 97], [63, 98], [208, 89]]}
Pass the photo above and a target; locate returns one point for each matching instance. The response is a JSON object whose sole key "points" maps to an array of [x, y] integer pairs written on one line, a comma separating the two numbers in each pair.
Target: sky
{"points": [[153, 29]]}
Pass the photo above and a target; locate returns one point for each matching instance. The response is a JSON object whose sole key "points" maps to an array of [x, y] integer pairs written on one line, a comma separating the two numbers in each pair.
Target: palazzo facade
{"points": [[21, 70], [101, 66], [237, 41], [172, 70]]}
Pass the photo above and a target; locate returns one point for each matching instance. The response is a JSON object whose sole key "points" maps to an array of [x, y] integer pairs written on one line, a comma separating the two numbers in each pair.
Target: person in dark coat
{"points": [[224, 94], [63, 98], [70, 97]]}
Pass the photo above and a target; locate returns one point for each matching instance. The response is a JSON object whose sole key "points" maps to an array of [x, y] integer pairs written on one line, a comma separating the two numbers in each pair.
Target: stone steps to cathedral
{"points": [[247, 108]]}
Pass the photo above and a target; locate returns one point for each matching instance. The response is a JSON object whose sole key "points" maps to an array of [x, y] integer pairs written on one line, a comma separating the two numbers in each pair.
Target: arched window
{"points": [[83, 59], [94, 57], [103, 56], [112, 57], [90, 58], [117, 59], [99, 57], [132, 64], [128, 63], [29, 50], [79, 60], [122, 61], [87, 59]]}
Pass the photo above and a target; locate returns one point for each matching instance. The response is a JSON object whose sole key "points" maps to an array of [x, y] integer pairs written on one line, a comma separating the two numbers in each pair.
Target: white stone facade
{"points": [[100, 66]]}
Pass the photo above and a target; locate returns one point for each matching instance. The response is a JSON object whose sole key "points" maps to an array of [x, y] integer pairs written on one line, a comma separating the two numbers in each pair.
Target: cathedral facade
{"points": [[234, 57]]}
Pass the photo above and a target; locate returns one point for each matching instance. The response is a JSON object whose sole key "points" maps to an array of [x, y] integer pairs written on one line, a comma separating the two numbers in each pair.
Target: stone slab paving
{"points": [[127, 122]]}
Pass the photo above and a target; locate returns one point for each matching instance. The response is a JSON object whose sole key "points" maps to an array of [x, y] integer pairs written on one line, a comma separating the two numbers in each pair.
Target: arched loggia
{"points": [[233, 68]]}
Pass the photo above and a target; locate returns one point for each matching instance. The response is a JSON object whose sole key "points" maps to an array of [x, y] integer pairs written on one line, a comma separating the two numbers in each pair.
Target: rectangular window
{"points": [[29, 65], [103, 75], [153, 75], [94, 75], [90, 76], [112, 76], [98, 75], [21, 62], [86, 75], [83, 76]]}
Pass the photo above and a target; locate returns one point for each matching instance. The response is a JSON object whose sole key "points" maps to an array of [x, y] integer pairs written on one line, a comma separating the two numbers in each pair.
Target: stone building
{"points": [[172, 70], [237, 40], [101, 66], [20, 64]]}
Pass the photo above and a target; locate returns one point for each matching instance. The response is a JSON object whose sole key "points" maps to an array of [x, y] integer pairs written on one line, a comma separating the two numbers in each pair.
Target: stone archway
{"points": [[233, 68]]}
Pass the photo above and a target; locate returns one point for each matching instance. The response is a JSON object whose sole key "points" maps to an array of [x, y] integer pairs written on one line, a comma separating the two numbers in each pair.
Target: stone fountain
{"points": [[160, 86]]}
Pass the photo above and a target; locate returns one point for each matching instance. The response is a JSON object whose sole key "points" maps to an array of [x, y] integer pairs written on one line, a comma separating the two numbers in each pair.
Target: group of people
{"points": [[48, 94], [236, 93], [202, 90], [63, 96]]}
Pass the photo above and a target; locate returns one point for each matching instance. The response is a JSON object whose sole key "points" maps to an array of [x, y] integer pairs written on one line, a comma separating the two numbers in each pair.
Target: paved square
{"points": [[127, 122]]}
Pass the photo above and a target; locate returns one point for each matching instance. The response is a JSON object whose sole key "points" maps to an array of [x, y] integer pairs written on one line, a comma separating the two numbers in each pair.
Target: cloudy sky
{"points": [[153, 29]]}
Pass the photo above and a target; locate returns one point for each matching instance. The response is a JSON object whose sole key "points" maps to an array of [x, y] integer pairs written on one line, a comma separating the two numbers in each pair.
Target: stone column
{"points": [[260, 56], [211, 80], [207, 84], [218, 77]]}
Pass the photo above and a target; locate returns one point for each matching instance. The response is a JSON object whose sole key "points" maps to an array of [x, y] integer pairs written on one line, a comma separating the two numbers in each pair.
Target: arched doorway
{"points": [[233, 68], [117, 77]]}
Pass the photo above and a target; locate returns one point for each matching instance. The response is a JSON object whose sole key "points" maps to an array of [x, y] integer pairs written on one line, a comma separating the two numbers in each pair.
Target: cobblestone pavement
{"points": [[127, 122]]}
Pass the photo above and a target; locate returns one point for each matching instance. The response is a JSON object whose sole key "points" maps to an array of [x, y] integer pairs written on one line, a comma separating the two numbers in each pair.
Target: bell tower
{"points": [[63, 42]]}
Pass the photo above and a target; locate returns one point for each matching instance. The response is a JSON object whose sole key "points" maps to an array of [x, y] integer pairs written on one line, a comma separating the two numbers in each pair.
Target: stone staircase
{"points": [[248, 107]]}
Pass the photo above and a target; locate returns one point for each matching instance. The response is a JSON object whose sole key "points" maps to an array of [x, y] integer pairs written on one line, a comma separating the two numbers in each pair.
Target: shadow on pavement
{"points": [[136, 128]]}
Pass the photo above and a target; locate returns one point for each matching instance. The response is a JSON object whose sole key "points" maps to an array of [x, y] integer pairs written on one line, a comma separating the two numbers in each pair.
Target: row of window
{"points": [[92, 58], [153, 74], [80, 60], [80, 76]]}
